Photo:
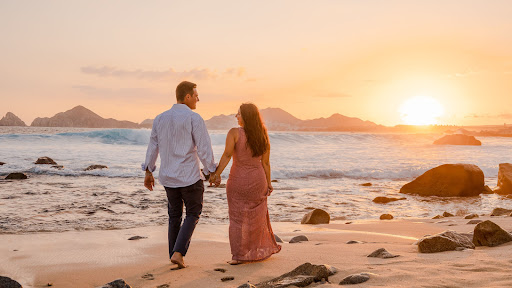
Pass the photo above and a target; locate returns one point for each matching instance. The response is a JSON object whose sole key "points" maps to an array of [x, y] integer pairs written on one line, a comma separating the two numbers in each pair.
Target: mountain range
{"points": [[276, 119]]}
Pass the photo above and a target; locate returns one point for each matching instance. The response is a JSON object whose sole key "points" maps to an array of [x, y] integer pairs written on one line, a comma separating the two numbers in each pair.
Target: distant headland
{"points": [[276, 119]]}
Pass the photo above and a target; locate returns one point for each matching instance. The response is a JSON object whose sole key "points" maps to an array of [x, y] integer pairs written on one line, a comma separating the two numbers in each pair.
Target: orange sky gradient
{"points": [[123, 59]]}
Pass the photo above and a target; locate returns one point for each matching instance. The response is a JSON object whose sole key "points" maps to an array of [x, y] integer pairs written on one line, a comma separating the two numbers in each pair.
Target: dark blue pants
{"points": [[179, 235]]}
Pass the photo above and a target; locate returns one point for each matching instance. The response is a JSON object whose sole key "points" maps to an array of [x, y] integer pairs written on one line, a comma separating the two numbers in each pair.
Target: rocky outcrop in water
{"points": [[316, 216], [94, 167], [384, 200], [16, 176], [504, 179], [45, 160], [81, 117], [458, 139], [448, 180], [446, 241], [11, 120], [488, 233]]}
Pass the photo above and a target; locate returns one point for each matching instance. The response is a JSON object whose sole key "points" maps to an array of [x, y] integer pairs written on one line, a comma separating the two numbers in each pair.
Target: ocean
{"points": [[313, 170]]}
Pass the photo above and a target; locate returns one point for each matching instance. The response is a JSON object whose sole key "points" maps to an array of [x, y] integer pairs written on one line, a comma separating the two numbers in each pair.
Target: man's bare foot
{"points": [[177, 258], [235, 262]]}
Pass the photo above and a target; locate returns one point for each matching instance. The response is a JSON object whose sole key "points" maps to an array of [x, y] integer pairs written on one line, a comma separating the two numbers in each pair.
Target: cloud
{"points": [[332, 95], [155, 75], [124, 93]]}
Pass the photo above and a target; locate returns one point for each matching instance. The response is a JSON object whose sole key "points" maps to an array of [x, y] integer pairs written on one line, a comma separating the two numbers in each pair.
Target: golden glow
{"points": [[421, 110]]}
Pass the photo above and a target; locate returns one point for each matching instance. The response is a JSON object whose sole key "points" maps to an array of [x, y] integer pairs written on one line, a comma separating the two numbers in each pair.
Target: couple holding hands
{"points": [[180, 136]]}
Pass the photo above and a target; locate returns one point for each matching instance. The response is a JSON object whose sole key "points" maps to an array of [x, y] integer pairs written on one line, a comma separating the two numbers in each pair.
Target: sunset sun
{"points": [[421, 110]]}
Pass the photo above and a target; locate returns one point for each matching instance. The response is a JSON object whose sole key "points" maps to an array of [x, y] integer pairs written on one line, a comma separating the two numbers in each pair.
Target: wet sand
{"points": [[93, 258]]}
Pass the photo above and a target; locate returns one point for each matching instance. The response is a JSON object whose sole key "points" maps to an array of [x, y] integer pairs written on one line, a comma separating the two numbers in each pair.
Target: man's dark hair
{"points": [[183, 89]]}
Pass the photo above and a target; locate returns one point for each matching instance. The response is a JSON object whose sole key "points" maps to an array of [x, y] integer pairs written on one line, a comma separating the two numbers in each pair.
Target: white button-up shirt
{"points": [[181, 138]]}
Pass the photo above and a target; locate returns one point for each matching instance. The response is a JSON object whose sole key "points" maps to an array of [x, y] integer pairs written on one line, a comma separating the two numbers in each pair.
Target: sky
{"points": [[364, 58]]}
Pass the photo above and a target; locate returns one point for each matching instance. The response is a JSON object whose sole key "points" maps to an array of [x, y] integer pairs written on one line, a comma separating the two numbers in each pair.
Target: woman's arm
{"points": [[265, 161], [226, 156]]}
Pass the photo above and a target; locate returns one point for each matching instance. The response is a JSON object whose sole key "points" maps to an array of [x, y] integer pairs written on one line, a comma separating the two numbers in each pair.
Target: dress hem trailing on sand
{"points": [[250, 234]]}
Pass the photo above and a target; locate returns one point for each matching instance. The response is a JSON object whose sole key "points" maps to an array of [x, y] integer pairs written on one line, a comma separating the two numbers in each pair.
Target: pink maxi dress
{"points": [[250, 234]]}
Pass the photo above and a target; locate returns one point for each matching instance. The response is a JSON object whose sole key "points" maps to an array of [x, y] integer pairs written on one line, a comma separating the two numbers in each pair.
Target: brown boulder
{"points": [[448, 180], [386, 217], [45, 160], [446, 214], [17, 176], [500, 212], [446, 241], [471, 216], [384, 200], [488, 233], [6, 282], [458, 139], [317, 216], [504, 179]]}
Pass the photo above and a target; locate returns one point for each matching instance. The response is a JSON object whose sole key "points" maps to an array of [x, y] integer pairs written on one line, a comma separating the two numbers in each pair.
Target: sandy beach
{"points": [[94, 258]]}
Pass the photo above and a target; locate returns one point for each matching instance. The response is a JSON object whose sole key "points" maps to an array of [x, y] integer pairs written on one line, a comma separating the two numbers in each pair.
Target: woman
{"points": [[250, 234]]}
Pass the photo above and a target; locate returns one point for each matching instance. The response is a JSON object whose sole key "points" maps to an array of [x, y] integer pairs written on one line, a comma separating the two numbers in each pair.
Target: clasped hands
{"points": [[214, 180]]}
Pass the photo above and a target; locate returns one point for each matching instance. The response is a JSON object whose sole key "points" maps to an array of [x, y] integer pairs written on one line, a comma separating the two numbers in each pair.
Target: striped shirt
{"points": [[181, 138]]}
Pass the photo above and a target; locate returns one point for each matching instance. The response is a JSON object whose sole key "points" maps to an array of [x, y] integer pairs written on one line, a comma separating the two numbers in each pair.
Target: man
{"points": [[181, 138]]}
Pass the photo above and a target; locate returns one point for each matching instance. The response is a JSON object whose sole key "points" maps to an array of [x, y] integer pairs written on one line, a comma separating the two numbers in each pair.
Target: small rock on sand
{"points": [[355, 279], [137, 238], [445, 241], [471, 216], [366, 184], [446, 214], [6, 282], [278, 240], [119, 283], [475, 221], [229, 278], [382, 253], [490, 234], [298, 239]]}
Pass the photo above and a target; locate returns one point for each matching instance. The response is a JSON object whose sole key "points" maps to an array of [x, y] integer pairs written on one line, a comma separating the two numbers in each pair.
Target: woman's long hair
{"points": [[255, 130]]}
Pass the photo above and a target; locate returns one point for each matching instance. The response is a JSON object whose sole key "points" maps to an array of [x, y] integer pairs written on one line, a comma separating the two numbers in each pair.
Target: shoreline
{"points": [[95, 257]]}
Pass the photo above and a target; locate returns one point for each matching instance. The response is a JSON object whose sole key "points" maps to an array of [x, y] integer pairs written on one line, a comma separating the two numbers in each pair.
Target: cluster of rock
{"points": [[49, 161], [486, 233]]}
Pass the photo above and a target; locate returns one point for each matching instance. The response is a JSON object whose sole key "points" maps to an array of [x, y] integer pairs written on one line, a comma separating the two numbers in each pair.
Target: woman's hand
{"points": [[270, 189]]}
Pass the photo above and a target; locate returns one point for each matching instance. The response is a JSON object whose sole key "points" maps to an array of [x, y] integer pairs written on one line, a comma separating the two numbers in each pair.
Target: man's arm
{"points": [[203, 143], [151, 155]]}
